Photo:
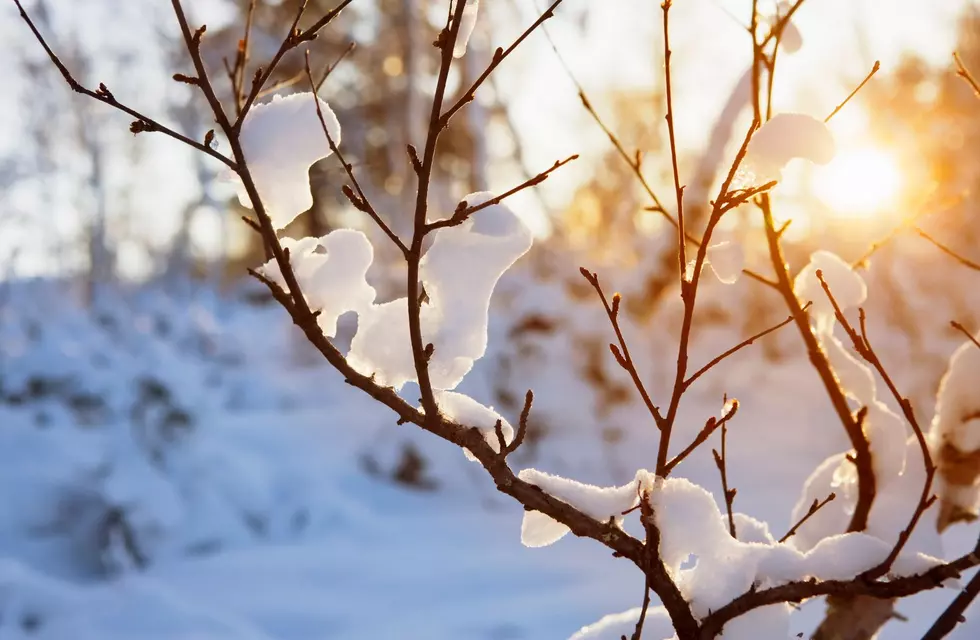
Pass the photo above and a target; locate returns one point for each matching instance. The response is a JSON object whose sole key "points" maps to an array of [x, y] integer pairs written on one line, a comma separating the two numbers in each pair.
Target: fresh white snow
{"points": [[281, 139]]}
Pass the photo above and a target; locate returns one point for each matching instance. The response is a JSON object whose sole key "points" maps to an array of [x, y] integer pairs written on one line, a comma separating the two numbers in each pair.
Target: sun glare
{"points": [[859, 182]]}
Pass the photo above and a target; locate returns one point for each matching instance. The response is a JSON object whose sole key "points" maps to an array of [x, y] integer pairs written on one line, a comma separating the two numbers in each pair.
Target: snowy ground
{"points": [[258, 519]]}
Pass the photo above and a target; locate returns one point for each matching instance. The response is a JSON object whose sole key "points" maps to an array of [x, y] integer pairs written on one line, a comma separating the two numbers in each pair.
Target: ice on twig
{"points": [[458, 273], [281, 140], [600, 503]]}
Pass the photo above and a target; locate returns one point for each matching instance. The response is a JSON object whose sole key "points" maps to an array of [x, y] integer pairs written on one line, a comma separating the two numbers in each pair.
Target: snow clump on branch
{"points": [[281, 140], [785, 137], [459, 273]]}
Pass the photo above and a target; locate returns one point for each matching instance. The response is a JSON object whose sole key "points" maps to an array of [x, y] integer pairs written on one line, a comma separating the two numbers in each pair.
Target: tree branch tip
{"points": [[180, 77], [413, 156], [619, 356], [252, 224], [199, 34]]}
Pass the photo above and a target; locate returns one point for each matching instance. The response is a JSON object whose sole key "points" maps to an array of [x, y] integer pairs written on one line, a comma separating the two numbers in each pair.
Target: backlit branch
{"points": [[143, 123], [863, 346], [464, 211]]}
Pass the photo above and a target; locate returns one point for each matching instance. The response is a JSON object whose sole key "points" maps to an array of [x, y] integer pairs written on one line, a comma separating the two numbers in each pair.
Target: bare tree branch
{"points": [[741, 345], [729, 494], [945, 249], [464, 211], [815, 506], [874, 70], [964, 73], [359, 200], [710, 427], [956, 325], [953, 614], [498, 56], [295, 38], [102, 94], [622, 353], [863, 346]]}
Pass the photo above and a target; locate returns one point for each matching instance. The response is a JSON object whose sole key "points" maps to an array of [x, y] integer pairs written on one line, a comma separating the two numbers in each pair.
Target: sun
{"points": [[860, 182]]}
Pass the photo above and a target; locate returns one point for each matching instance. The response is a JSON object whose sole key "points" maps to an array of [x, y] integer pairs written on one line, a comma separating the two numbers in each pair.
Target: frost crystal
{"points": [[281, 139], [466, 25], [454, 319], [331, 271], [784, 137]]}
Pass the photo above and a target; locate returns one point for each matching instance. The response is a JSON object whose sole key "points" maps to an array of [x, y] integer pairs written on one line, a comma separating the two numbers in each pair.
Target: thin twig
{"points": [[738, 347], [964, 73], [780, 26], [873, 71], [859, 441], [815, 506], [295, 38], [638, 631], [959, 327], [863, 346], [720, 462], [241, 60], [922, 209], [631, 161], [521, 427], [689, 292], [498, 56], [330, 67], [945, 249], [302, 74], [953, 614], [622, 353], [710, 427], [678, 189], [359, 200], [464, 211], [424, 166], [102, 94], [522, 423]]}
